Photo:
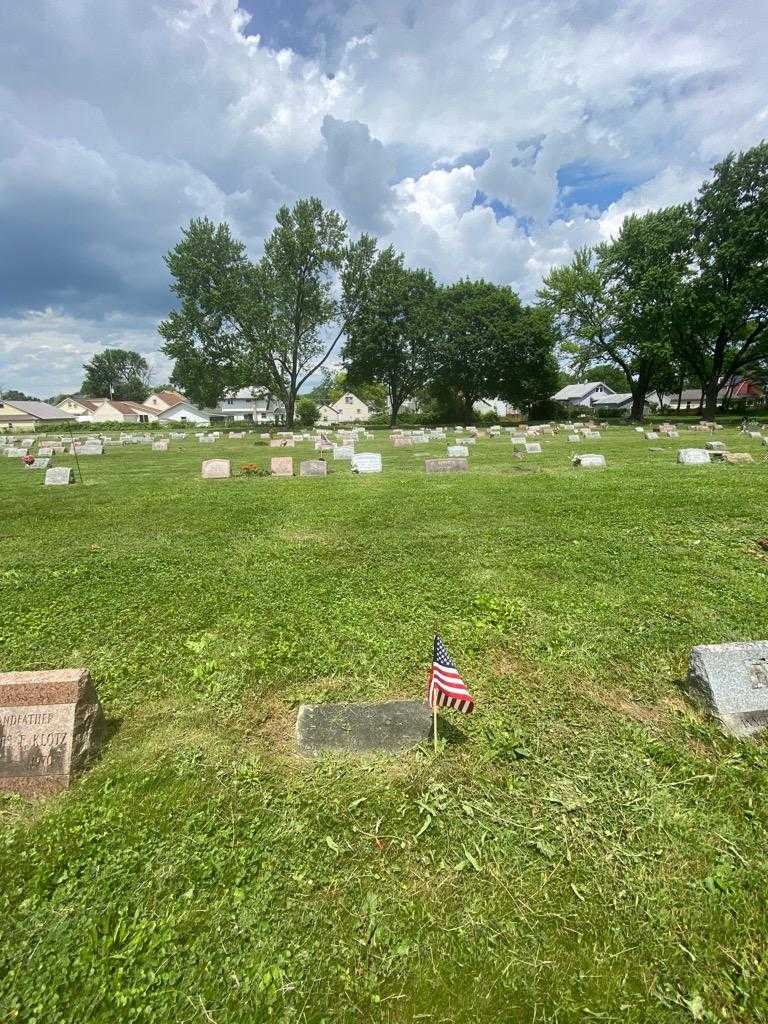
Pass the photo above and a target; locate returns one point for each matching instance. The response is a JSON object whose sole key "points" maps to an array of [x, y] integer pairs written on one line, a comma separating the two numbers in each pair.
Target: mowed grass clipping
{"points": [[585, 847]]}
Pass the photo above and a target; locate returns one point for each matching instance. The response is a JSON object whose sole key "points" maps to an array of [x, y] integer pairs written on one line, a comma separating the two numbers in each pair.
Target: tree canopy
{"points": [[117, 373]]}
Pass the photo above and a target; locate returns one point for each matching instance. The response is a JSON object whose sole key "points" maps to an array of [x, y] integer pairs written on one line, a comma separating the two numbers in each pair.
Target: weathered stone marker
{"points": [[37, 464], [458, 451], [392, 727], [731, 682], [51, 726], [58, 475], [282, 466], [216, 469], [588, 461], [446, 465], [366, 462], [313, 467], [693, 456]]}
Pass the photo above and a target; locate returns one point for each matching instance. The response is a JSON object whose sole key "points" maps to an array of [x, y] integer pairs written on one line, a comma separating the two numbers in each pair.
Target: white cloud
{"points": [[120, 121]]}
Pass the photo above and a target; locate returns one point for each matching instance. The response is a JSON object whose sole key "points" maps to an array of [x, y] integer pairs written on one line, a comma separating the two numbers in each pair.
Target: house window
{"points": [[348, 399]]}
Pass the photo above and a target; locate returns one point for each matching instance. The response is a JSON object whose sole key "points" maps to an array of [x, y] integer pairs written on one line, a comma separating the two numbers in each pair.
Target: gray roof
{"points": [[614, 399], [40, 410], [579, 390]]}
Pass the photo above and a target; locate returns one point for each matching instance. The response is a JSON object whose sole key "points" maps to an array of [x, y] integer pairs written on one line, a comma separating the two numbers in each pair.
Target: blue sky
{"points": [[481, 137]]}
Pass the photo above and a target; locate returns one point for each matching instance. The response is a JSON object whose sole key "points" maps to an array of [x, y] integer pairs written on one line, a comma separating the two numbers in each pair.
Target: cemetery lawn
{"points": [[585, 847]]}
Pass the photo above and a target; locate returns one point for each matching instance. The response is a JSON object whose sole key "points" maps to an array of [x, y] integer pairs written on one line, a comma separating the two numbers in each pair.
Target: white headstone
{"points": [[692, 456], [58, 475], [366, 462]]}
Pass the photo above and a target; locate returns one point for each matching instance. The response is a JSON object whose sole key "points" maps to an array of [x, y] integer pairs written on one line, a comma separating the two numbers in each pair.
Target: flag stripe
{"points": [[445, 687]]}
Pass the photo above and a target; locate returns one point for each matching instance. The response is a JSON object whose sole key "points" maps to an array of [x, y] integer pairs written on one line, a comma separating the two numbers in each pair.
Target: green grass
{"points": [[586, 847]]}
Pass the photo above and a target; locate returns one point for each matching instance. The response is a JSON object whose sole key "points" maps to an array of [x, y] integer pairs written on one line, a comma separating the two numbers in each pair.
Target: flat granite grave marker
{"points": [[51, 726], [446, 465], [392, 726], [588, 461], [216, 469], [533, 448], [313, 467], [731, 682], [58, 476], [281, 442], [281, 466]]}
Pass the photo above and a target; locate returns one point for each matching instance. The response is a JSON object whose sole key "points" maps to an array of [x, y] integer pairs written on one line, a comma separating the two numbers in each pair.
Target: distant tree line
{"points": [[680, 296]]}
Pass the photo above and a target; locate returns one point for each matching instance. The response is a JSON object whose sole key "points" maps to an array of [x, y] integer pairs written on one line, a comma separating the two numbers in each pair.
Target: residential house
{"points": [[30, 414], [496, 406], [115, 411], [81, 408], [160, 401], [250, 406], [738, 389], [582, 394], [348, 409], [622, 401], [171, 407]]}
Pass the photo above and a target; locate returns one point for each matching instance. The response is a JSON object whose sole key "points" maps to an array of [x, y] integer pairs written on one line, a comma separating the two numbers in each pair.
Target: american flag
{"points": [[445, 687]]}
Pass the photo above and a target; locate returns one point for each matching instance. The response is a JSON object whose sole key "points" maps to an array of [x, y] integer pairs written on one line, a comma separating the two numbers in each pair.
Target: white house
{"points": [[160, 401], [582, 394], [619, 401], [114, 411], [172, 407], [497, 406], [348, 409], [185, 412], [80, 408], [255, 407]]}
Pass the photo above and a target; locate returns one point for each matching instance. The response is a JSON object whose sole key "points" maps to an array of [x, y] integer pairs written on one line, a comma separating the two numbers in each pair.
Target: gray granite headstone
{"points": [[446, 465], [38, 464], [313, 467], [58, 475], [533, 448], [362, 728], [589, 461], [731, 682], [216, 469]]}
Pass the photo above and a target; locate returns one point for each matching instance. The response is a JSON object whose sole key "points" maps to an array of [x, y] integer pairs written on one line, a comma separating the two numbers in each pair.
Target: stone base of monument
{"points": [[391, 727], [731, 682], [51, 727]]}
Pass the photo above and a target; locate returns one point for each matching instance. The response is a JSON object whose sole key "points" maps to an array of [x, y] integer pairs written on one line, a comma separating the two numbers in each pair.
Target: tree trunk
{"points": [[639, 390], [290, 409], [469, 413], [710, 399], [394, 410]]}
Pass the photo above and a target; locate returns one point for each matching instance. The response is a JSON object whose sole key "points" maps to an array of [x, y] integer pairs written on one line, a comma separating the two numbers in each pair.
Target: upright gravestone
{"points": [[313, 467], [731, 682], [281, 442], [693, 456], [366, 462], [533, 448], [393, 726], [282, 466], [37, 464], [446, 465], [216, 469], [58, 476], [343, 452], [458, 451], [51, 725], [159, 446]]}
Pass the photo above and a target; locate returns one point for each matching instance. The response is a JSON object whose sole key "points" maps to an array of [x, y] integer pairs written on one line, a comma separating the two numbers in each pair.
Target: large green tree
{"points": [[615, 302], [722, 316], [270, 325], [492, 347], [393, 337], [117, 373]]}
